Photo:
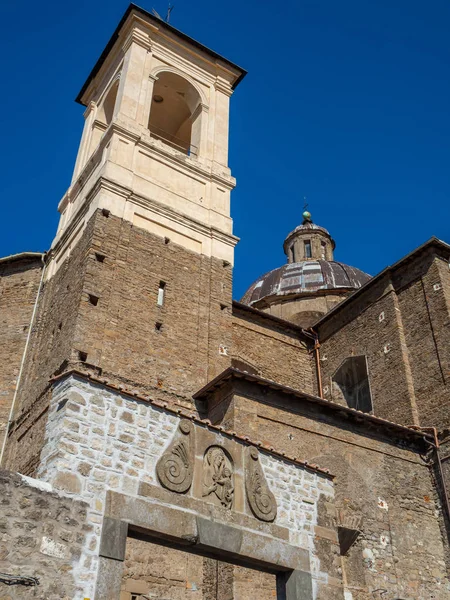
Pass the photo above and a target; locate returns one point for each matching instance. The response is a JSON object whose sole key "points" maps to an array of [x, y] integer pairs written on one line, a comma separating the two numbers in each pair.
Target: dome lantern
{"points": [[311, 283], [308, 241]]}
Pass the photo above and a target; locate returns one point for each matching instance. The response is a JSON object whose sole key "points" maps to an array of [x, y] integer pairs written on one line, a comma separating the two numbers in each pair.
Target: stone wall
{"points": [[303, 310], [165, 572], [424, 304], [53, 345], [401, 324], [100, 312], [383, 487], [19, 283], [42, 536], [99, 440], [265, 347]]}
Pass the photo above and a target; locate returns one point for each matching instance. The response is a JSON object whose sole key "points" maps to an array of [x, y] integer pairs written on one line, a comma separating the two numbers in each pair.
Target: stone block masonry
{"points": [[99, 440], [19, 283], [104, 315], [42, 535], [401, 324], [265, 347]]}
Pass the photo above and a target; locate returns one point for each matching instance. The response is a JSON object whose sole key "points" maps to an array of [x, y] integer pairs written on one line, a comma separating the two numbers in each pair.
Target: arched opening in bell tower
{"points": [[106, 109], [175, 114]]}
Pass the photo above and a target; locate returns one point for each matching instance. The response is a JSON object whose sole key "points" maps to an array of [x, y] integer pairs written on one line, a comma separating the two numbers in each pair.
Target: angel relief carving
{"points": [[218, 477]]}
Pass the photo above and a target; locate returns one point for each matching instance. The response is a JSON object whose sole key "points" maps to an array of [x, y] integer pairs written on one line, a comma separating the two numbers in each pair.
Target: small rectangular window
{"points": [[324, 250], [93, 299], [308, 253], [293, 252], [161, 293]]}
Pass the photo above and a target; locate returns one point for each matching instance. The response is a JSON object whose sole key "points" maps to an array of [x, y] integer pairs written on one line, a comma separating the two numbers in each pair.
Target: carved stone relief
{"points": [[176, 466], [218, 477], [261, 500]]}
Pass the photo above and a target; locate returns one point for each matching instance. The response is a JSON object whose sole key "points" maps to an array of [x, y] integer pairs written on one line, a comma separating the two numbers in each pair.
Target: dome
{"points": [[306, 277]]}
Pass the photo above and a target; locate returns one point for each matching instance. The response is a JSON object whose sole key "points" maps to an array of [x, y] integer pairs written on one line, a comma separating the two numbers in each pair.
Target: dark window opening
{"points": [[351, 383], [158, 326], [308, 253], [82, 356], [324, 250], [93, 299], [293, 252], [100, 257]]}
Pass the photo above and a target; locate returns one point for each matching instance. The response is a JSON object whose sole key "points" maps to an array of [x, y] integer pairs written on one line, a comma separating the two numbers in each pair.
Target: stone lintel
{"points": [[158, 520], [204, 535], [157, 493], [218, 536]]}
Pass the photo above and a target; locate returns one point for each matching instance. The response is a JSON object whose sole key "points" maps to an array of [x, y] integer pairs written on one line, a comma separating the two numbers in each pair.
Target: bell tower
{"points": [[154, 148], [138, 281]]}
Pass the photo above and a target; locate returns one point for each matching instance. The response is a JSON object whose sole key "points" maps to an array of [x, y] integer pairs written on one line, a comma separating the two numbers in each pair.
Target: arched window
{"points": [[175, 113], [106, 110], [351, 383]]}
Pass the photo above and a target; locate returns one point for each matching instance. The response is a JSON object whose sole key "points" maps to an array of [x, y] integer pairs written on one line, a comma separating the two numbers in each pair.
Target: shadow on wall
{"points": [[350, 383]]}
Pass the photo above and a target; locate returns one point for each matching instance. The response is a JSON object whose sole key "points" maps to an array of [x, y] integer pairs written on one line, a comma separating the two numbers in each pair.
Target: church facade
{"points": [[161, 440]]}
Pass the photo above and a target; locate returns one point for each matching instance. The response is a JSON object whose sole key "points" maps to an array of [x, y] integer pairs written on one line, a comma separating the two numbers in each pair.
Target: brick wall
{"points": [[266, 348], [122, 267], [19, 283], [51, 348], [401, 323], [42, 535], [374, 329], [382, 487], [425, 311], [170, 573]]}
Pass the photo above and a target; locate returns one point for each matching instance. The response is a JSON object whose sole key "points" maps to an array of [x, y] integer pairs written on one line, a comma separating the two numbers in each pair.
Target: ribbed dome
{"points": [[306, 277]]}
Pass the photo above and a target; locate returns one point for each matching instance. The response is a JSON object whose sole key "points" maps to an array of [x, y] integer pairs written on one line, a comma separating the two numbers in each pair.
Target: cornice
{"points": [[103, 183], [138, 37]]}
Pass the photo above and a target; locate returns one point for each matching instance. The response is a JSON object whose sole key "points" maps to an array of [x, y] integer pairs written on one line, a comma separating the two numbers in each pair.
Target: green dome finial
{"points": [[306, 214]]}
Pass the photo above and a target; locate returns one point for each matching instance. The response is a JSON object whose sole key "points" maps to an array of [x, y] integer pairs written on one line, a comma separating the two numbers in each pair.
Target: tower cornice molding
{"points": [[137, 36], [151, 207]]}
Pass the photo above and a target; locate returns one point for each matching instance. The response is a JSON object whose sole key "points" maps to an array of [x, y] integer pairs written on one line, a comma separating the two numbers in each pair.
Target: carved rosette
{"points": [[261, 500], [176, 466]]}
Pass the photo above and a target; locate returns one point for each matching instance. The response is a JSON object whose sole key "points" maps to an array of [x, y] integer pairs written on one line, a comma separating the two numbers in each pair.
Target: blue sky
{"points": [[346, 103]]}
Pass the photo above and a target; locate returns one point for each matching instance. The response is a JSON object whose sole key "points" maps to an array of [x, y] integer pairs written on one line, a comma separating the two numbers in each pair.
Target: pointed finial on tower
{"points": [[306, 214]]}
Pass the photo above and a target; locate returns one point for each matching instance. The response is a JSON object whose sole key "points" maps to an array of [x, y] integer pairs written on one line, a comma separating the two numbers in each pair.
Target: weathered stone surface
{"points": [[298, 585], [218, 477], [114, 537], [175, 467], [213, 512], [261, 500], [218, 536], [19, 283], [68, 482], [43, 535]]}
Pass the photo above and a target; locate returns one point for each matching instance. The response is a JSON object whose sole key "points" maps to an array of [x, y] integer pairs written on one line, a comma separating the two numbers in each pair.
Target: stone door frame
{"points": [[190, 531]]}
